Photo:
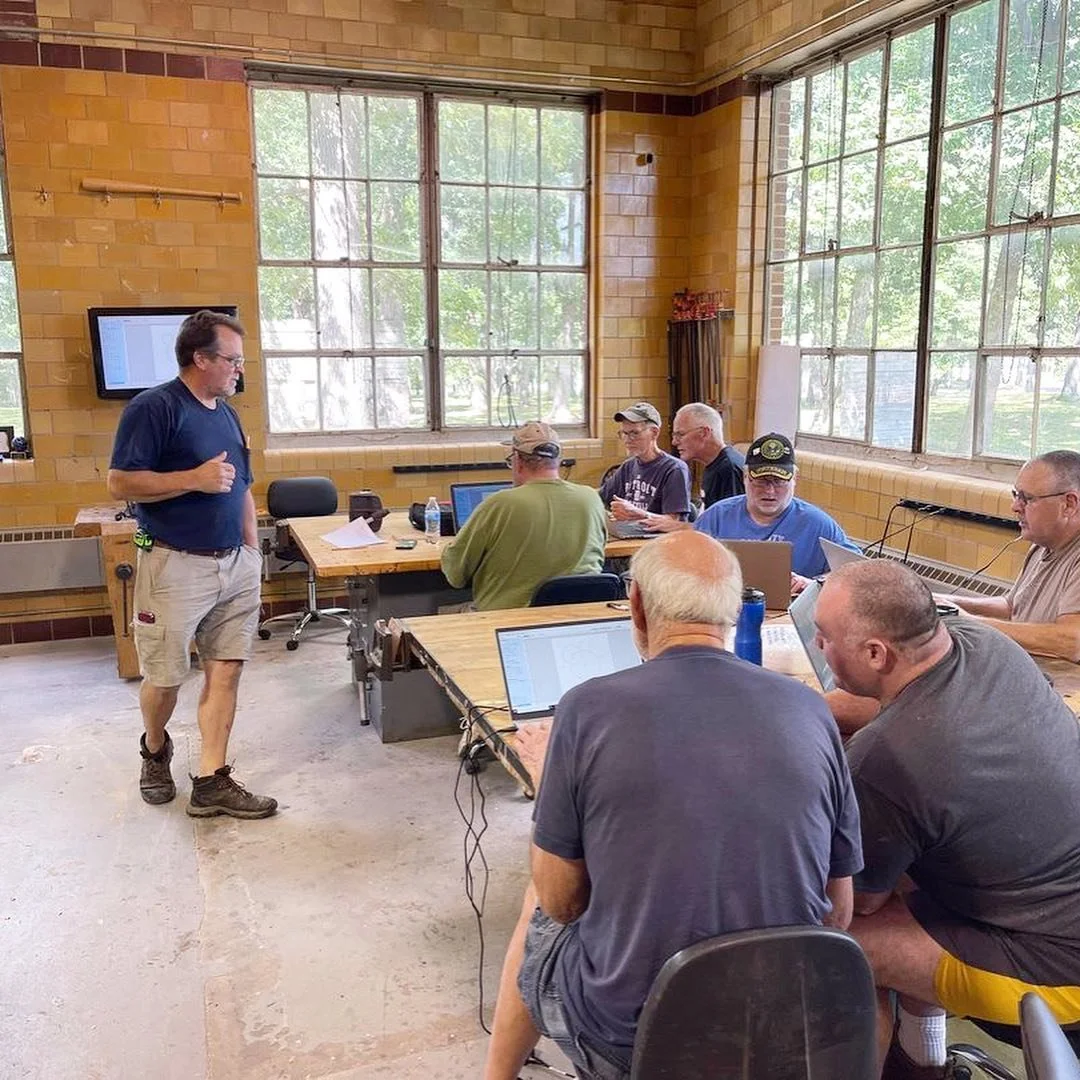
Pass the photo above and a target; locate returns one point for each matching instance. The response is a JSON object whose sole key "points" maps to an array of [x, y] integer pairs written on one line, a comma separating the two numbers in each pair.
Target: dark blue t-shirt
{"points": [[706, 795], [167, 429]]}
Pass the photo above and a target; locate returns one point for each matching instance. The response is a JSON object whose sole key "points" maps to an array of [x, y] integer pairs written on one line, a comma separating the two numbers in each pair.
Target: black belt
{"points": [[211, 553]]}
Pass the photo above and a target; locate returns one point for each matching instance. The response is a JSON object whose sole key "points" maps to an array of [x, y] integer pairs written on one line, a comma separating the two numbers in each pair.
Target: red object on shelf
{"points": [[688, 306]]}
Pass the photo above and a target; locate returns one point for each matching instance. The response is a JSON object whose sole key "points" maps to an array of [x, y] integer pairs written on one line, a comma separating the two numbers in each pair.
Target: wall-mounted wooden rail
{"points": [[109, 188]]}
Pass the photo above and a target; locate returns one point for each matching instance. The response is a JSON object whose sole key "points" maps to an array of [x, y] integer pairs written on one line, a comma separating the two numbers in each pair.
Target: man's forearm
{"points": [[145, 486], [989, 607], [1044, 639], [251, 521]]}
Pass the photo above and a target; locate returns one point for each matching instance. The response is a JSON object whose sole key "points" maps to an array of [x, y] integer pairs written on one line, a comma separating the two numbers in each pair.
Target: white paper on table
{"points": [[354, 535]]}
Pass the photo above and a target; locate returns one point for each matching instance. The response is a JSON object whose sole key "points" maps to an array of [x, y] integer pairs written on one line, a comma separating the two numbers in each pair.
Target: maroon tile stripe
{"points": [[676, 104]]}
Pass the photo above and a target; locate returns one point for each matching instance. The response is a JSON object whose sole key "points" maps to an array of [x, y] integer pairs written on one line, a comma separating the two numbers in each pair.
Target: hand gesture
{"points": [[622, 510], [215, 477]]}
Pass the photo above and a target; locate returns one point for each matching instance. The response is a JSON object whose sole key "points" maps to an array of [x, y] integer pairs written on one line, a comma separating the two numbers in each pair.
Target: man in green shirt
{"points": [[540, 528]]}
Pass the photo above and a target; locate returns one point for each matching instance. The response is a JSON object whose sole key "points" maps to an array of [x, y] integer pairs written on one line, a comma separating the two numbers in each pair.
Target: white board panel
{"points": [[777, 406]]}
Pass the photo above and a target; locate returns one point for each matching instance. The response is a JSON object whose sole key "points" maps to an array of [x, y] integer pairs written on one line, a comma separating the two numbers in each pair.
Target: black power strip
{"points": [[962, 515], [469, 466]]}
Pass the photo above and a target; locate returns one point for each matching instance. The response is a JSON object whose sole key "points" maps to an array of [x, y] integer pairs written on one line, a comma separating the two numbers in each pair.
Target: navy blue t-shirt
{"points": [[706, 795], [167, 429]]}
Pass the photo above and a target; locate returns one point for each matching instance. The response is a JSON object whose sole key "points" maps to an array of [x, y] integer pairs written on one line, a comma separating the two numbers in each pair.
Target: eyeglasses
{"points": [[768, 481], [683, 434], [236, 361], [632, 433], [1023, 498]]}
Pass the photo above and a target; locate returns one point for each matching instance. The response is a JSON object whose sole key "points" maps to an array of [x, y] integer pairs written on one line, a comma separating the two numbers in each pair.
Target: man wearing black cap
{"points": [[770, 511], [649, 481], [543, 527]]}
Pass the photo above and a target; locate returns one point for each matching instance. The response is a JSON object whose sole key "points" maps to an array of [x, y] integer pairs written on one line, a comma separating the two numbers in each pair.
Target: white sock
{"points": [[922, 1038]]}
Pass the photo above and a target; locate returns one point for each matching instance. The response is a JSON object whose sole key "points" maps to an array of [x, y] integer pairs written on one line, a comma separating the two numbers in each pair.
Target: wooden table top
{"points": [[331, 562], [94, 520]]}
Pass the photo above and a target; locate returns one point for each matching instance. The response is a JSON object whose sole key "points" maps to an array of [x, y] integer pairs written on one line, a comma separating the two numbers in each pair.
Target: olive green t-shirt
{"points": [[517, 539]]}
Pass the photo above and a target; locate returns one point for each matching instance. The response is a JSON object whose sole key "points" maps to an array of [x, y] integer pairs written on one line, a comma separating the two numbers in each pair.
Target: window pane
{"points": [[512, 216], [783, 304], [562, 311], [287, 308], [397, 298], [462, 141], [816, 303], [1031, 51], [862, 107], [340, 220], [284, 219], [292, 393], [788, 110], [972, 64], [849, 397], [327, 154], [1023, 180], [1059, 404], [562, 389], [826, 110], [858, 189], [1070, 72], [465, 391], [1008, 401], [354, 134], [814, 395], [562, 228], [516, 392], [965, 179], [463, 211], [463, 309], [1014, 290], [514, 311], [344, 312], [281, 131], [958, 288], [894, 399], [562, 148], [1067, 174], [511, 145], [911, 60], [899, 274], [400, 392], [5, 240], [949, 404], [822, 195], [395, 222], [346, 392], [393, 145], [10, 338], [855, 300], [786, 222], [903, 192], [11, 394], [1061, 327]]}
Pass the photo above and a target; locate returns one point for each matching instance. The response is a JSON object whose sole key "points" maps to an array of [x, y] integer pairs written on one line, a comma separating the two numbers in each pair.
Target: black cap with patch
{"points": [[771, 455]]}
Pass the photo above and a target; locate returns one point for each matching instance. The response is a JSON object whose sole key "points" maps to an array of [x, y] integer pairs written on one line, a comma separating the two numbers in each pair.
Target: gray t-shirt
{"points": [[969, 781], [705, 795], [1048, 585], [660, 486]]}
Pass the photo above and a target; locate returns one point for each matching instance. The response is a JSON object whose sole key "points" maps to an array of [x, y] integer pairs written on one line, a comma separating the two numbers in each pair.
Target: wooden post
{"points": [[118, 554]]}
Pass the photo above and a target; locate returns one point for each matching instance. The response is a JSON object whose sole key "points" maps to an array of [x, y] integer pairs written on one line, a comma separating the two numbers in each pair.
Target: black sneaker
{"points": [[221, 794], [155, 781]]}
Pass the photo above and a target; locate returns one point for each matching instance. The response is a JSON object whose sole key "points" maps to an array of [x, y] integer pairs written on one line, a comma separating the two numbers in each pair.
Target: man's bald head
{"points": [[886, 599]]}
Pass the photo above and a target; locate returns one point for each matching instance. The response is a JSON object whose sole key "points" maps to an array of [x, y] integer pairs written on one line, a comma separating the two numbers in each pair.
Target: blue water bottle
{"points": [[748, 630]]}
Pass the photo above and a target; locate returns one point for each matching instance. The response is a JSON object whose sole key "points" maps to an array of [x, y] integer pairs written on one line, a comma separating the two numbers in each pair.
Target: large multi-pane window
{"points": [[961, 337], [12, 410], [423, 260]]}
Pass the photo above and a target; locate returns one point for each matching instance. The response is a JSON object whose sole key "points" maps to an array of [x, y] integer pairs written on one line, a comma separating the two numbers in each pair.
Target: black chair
{"points": [[1048, 1051], [789, 1003], [301, 496], [578, 589]]}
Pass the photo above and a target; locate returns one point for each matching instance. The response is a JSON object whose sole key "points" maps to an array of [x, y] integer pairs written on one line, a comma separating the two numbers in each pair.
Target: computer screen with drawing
{"points": [[465, 498]]}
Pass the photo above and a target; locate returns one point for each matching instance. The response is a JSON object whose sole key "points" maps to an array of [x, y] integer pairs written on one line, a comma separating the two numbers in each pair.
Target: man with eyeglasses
{"points": [[1041, 611], [542, 527], [650, 480], [770, 511], [968, 785], [181, 457]]}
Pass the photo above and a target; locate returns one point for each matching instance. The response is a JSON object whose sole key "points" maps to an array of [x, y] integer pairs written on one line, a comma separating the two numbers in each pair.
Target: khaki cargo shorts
{"points": [[180, 597]]}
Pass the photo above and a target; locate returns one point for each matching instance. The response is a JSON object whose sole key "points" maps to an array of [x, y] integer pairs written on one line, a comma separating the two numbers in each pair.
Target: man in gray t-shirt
{"points": [[691, 796], [968, 784]]}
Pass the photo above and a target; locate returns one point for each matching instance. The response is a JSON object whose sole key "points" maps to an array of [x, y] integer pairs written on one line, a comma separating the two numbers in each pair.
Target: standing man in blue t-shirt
{"points": [[180, 455], [770, 511]]}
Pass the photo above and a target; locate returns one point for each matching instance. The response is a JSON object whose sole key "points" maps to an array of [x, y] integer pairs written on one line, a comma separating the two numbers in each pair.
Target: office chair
{"points": [[788, 1003], [301, 496], [578, 589]]}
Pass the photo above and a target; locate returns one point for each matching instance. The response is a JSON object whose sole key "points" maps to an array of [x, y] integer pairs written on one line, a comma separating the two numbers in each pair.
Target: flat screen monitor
{"points": [[135, 347], [465, 498]]}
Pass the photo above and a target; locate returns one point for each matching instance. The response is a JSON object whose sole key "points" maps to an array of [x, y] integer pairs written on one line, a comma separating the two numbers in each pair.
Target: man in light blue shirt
{"points": [[770, 511]]}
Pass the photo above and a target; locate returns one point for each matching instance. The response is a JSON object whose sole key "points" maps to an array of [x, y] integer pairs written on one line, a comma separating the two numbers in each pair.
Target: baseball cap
{"points": [[641, 413], [536, 438], [771, 455]]}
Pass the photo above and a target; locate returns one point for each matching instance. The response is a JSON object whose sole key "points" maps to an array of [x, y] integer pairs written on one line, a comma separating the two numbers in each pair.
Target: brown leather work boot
{"points": [[221, 794], [155, 780]]}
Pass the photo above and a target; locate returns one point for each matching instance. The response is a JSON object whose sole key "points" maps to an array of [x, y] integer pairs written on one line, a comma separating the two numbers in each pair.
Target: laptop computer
{"points": [[802, 612], [465, 498], [540, 663], [766, 565], [629, 530], [836, 555]]}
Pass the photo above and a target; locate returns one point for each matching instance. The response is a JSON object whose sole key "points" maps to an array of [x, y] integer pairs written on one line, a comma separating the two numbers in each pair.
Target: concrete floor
{"points": [[333, 940]]}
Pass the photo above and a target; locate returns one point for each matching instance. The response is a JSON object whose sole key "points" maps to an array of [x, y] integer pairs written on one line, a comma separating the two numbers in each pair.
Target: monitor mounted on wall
{"points": [[135, 347]]}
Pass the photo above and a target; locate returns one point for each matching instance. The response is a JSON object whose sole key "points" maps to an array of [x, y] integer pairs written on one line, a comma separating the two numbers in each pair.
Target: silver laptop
{"points": [[802, 612], [836, 555], [540, 663], [766, 565], [629, 530]]}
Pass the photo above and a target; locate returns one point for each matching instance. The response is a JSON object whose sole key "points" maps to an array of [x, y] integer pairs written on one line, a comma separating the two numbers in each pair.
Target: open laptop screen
{"points": [[540, 663], [802, 612], [465, 498]]}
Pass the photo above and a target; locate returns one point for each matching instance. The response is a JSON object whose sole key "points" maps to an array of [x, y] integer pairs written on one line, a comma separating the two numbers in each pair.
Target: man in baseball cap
{"points": [[542, 527], [770, 511], [649, 481]]}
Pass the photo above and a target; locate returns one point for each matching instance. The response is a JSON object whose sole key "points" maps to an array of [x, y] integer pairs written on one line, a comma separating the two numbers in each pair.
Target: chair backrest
{"points": [[1048, 1054], [578, 589], [301, 496], [788, 1003]]}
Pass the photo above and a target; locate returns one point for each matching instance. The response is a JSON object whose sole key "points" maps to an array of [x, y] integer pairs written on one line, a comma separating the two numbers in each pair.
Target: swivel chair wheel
{"points": [[291, 645], [264, 634]]}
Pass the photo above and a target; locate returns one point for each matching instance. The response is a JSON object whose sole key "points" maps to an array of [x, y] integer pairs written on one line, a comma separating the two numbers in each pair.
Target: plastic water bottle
{"points": [[748, 629], [432, 520]]}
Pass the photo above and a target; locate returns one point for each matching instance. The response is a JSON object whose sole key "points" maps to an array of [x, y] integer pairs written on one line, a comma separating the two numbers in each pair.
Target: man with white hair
{"points": [[690, 796]]}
